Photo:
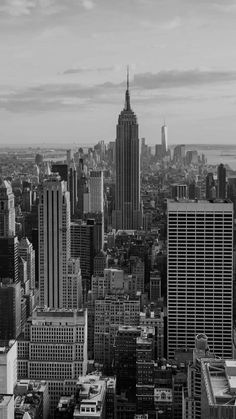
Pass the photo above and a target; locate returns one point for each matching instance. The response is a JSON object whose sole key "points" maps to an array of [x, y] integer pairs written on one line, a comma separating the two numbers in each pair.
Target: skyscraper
{"points": [[221, 177], [127, 214], [200, 275], [96, 191], [54, 241], [7, 209], [164, 139]]}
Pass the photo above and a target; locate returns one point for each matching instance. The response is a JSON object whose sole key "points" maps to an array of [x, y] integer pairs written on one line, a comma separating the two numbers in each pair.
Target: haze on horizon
{"points": [[63, 69]]}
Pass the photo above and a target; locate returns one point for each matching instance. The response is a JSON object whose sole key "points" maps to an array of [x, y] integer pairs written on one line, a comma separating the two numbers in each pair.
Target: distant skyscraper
{"points": [[164, 139], [200, 275], [221, 177], [7, 209], [54, 242], [210, 186], [127, 214], [96, 191]]}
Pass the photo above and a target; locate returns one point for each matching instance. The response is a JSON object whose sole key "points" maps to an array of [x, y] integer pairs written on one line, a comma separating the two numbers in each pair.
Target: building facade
{"points": [[200, 275], [127, 213], [54, 241]]}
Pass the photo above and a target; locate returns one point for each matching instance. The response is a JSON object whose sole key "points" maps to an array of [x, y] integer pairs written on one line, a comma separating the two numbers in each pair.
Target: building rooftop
{"points": [[92, 390], [220, 381]]}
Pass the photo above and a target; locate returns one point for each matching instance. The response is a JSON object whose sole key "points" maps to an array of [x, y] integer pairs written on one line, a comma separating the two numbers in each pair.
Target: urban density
{"points": [[117, 280]]}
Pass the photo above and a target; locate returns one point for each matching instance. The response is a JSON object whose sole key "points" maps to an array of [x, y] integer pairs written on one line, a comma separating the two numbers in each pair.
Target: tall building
{"points": [[9, 258], [54, 242], [164, 139], [96, 191], [200, 275], [221, 178], [210, 186], [127, 214], [54, 348], [10, 309], [27, 252], [7, 209]]}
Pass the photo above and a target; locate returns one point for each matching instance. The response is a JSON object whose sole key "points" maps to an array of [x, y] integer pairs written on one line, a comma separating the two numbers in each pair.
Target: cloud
{"points": [[225, 8], [146, 87], [88, 4], [178, 78], [82, 70], [17, 8]]}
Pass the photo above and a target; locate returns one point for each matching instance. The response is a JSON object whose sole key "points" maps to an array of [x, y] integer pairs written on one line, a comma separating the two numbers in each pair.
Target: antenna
{"points": [[127, 77]]}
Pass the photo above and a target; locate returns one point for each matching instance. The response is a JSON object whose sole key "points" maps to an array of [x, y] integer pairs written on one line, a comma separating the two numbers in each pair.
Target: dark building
{"points": [[125, 359], [127, 214], [10, 309], [9, 258], [221, 177], [210, 186], [62, 170]]}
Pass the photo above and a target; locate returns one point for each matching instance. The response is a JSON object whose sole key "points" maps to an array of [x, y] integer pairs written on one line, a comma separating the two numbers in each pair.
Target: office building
{"points": [[110, 313], [54, 348], [218, 395], [27, 252], [10, 309], [221, 182], [74, 284], [179, 153], [179, 191], [200, 274], [7, 209], [9, 254], [125, 357], [164, 139], [193, 400], [8, 366], [83, 247], [96, 191], [210, 186], [127, 214], [54, 241]]}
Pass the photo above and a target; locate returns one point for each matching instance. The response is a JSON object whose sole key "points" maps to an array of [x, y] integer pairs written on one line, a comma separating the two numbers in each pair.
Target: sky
{"points": [[63, 70]]}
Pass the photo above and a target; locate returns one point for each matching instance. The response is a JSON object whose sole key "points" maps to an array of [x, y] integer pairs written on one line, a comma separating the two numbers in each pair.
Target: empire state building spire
{"points": [[127, 214], [127, 95]]}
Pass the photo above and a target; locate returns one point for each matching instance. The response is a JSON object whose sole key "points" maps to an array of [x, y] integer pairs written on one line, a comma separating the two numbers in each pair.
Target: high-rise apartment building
{"points": [[54, 241], [200, 274], [127, 214]]}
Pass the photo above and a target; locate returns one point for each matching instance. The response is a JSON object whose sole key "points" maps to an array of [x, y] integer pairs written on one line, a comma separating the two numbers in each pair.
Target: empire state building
{"points": [[127, 214]]}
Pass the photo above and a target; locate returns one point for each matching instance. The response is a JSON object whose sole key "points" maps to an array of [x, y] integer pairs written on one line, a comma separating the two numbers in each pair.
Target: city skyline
{"points": [[62, 81]]}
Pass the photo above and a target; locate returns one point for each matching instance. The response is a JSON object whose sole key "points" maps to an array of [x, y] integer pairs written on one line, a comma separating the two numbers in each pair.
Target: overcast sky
{"points": [[63, 69]]}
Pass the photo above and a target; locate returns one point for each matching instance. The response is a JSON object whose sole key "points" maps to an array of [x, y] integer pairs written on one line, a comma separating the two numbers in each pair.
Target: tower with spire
{"points": [[127, 214]]}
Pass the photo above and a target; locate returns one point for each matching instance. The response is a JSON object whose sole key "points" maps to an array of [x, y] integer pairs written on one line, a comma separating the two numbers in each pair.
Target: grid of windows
{"points": [[200, 240]]}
